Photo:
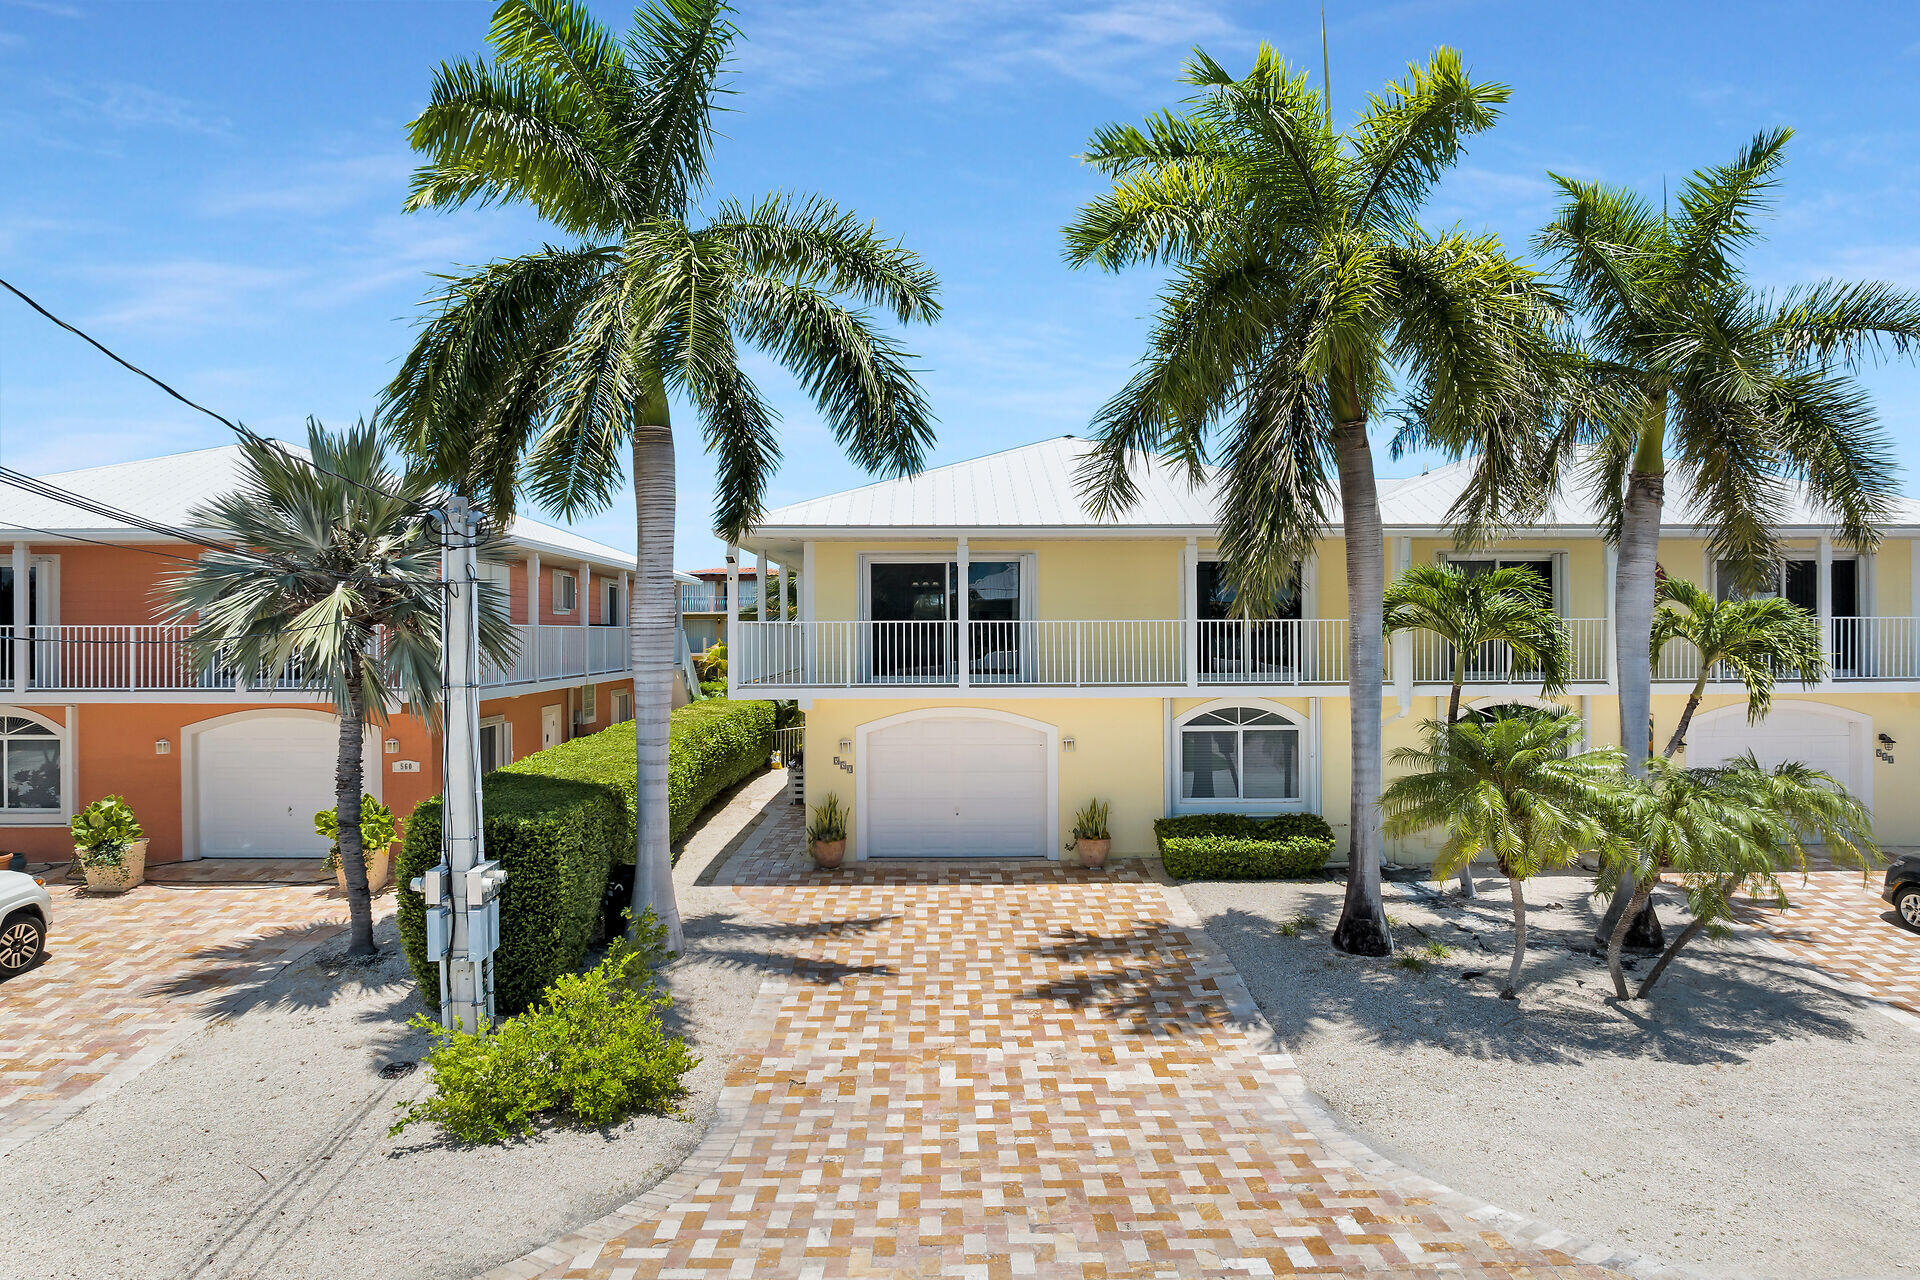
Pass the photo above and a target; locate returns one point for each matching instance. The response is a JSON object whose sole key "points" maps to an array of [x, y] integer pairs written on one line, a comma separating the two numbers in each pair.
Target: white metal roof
{"points": [[1033, 488], [167, 489]]}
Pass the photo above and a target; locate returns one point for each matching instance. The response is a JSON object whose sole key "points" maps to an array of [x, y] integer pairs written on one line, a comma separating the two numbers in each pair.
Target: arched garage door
{"points": [[259, 777], [1821, 737], [955, 786]]}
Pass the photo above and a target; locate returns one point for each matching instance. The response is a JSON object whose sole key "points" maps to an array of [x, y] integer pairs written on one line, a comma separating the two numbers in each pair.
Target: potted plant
{"points": [[1091, 839], [827, 833], [109, 845], [378, 832]]}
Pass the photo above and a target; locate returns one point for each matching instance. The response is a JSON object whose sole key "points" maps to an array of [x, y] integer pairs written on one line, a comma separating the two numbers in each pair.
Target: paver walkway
{"points": [[127, 978], [999, 1070], [1843, 925]]}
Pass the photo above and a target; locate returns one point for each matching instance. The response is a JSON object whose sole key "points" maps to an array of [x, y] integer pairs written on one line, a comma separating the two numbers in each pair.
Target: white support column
{"points": [[780, 613], [22, 655], [1607, 601], [963, 655], [1190, 609], [1825, 598], [1400, 556], [805, 603], [583, 594], [623, 615], [533, 612], [733, 614]]}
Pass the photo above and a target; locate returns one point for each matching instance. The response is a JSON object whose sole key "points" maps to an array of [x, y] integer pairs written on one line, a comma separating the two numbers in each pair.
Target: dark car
{"points": [[1903, 889]]}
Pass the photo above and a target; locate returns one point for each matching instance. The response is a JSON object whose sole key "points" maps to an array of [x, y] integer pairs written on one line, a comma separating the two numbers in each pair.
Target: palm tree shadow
{"points": [[1148, 980], [1706, 1011], [733, 941], [226, 979]]}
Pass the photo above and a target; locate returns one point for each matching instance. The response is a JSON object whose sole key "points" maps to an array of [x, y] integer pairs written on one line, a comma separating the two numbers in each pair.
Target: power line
{"points": [[245, 433]]}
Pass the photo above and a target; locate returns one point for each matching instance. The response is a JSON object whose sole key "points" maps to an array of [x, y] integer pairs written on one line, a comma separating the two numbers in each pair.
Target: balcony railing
{"points": [[1153, 652], [702, 599], [159, 659]]}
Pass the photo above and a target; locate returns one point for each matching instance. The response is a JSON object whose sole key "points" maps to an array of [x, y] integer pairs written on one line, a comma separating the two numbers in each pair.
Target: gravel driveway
{"points": [[259, 1149], [1737, 1121]]}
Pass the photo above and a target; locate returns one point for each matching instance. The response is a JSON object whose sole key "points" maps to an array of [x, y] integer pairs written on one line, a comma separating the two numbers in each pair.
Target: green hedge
{"points": [[559, 819], [1238, 846], [556, 837], [711, 745]]}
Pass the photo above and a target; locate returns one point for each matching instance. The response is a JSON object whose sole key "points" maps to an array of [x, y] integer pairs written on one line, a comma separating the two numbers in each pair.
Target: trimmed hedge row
{"points": [[1237, 846], [559, 821], [556, 837]]}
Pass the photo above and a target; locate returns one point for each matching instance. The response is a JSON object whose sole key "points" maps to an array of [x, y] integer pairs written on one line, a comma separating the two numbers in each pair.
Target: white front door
{"points": [[550, 721], [259, 781], [956, 787]]}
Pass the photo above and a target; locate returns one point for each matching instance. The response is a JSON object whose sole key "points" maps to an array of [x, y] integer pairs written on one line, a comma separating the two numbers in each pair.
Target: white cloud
{"points": [[127, 105], [186, 293], [316, 188], [47, 7]]}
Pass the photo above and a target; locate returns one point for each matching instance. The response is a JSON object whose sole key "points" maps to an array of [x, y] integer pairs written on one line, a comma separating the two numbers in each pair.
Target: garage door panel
{"points": [[1828, 743], [258, 783], [956, 787]]}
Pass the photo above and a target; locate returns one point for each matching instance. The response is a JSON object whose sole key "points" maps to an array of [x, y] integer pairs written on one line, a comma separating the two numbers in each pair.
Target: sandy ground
{"points": [[260, 1149], [1745, 1120]]}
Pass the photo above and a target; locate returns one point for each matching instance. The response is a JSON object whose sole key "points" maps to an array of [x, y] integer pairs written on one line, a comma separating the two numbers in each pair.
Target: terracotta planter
{"points": [[379, 869], [118, 879], [1092, 853], [829, 854]]}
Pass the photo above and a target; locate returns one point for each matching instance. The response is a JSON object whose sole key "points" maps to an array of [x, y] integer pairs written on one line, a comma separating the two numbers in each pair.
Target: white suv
{"points": [[26, 912]]}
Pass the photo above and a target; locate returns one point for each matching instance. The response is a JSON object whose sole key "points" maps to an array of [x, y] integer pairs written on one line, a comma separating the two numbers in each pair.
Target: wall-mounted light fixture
{"points": [[846, 745], [1066, 744], [1886, 740], [393, 746], [162, 747]]}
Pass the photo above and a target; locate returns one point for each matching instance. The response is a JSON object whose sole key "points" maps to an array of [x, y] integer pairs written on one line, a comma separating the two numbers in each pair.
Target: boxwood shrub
{"points": [[556, 837], [559, 820], [1238, 846]]}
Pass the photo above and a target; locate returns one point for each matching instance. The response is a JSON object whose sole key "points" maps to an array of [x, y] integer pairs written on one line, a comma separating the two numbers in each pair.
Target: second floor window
{"points": [[566, 592]]}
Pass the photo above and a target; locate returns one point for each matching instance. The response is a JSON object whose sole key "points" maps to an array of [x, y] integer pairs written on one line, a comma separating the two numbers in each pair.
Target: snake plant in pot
{"points": [[1091, 839], [827, 833], [109, 845]]}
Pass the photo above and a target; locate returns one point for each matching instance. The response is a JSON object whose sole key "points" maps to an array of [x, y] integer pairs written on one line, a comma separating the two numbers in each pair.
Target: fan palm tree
{"points": [[1509, 786], [542, 370], [1300, 281], [334, 585], [1759, 638], [1470, 610], [1746, 391], [1722, 830]]}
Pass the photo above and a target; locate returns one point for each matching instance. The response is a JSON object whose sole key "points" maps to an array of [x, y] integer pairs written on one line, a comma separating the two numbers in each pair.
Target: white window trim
{"points": [[621, 696], [1305, 724], [505, 737], [63, 734], [1558, 555], [1028, 560], [589, 703], [573, 581]]}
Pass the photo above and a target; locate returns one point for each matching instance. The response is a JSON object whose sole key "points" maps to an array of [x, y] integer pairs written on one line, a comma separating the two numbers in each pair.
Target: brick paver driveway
{"points": [[1843, 925], [1005, 1070], [127, 978]]}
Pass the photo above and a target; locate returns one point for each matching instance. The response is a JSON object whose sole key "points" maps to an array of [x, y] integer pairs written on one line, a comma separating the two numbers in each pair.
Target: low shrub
{"points": [[1238, 846], [556, 837], [592, 1050], [713, 688]]}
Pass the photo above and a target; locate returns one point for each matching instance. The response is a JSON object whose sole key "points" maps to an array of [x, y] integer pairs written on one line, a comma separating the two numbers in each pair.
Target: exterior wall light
{"points": [[1066, 744], [393, 746], [162, 747], [846, 746]]}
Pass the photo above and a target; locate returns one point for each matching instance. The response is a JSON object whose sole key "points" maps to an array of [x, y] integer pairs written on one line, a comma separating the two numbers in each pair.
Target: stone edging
{"points": [[1331, 1131]]}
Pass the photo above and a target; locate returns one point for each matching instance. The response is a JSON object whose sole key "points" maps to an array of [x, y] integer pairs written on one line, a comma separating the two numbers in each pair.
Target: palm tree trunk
{"points": [[1679, 738], [650, 619], [1518, 888], [1467, 891], [1633, 591], [1688, 934], [348, 782], [1363, 918], [1641, 899]]}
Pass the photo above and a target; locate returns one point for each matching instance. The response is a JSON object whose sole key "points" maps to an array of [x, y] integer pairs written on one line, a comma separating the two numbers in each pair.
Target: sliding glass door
{"points": [[912, 624], [1259, 643]]}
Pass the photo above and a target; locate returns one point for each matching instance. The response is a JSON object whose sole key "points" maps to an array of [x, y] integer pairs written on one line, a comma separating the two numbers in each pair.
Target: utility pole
{"points": [[463, 893]]}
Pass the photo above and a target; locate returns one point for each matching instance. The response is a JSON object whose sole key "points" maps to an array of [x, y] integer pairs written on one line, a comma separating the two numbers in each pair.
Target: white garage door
{"points": [[955, 787], [1815, 739], [259, 783]]}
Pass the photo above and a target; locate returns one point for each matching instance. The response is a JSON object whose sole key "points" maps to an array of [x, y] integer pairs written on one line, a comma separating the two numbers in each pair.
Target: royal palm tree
{"points": [[334, 584], [1760, 638], [1469, 610], [1745, 392], [542, 370], [1723, 830], [1300, 281], [1512, 787]]}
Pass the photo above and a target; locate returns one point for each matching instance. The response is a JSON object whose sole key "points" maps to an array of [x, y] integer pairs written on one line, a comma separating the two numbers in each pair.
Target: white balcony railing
{"points": [[159, 659], [1494, 662]]}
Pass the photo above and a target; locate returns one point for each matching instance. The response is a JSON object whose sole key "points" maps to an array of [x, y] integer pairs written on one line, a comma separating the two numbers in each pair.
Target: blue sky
{"points": [[214, 189]]}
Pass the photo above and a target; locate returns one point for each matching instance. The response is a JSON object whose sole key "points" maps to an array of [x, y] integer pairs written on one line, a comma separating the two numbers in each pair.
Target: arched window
{"points": [[1240, 755], [29, 767]]}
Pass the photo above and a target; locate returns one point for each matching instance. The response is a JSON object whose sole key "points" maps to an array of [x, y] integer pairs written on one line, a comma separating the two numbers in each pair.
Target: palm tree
{"points": [[1721, 830], [1513, 787], [1470, 610], [1759, 638], [1300, 282], [542, 369], [1748, 392], [335, 584]]}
